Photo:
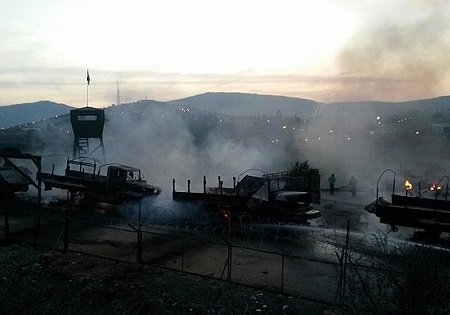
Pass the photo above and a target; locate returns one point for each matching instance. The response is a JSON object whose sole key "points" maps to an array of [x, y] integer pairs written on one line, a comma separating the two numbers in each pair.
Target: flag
{"points": [[88, 77]]}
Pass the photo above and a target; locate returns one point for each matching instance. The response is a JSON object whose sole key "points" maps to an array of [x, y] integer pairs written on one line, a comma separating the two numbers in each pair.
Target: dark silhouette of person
{"points": [[331, 181], [352, 185]]}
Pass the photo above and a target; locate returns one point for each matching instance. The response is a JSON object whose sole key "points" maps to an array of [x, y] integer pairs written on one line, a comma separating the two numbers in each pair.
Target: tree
{"points": [[299, 168]]}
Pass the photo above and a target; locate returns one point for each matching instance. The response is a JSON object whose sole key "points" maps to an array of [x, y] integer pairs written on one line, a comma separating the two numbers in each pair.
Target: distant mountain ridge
{"points": [[437, 103], [247, 104], [238, 104], [18, 114]]}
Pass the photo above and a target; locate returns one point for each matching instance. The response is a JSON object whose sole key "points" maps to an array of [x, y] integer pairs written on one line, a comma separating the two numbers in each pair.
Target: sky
{"points": [[324, 50]]}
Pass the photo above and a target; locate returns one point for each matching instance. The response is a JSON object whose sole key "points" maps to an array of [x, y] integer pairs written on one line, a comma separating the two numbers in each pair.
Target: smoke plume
{"points": [[389, 58]]}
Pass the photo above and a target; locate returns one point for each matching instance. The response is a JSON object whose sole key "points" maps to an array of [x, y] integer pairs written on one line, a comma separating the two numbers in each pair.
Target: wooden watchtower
{"points": [[87, 125]]}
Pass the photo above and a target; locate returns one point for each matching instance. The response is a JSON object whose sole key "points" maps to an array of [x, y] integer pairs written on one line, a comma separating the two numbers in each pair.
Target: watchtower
{"points": [[87, 125]]}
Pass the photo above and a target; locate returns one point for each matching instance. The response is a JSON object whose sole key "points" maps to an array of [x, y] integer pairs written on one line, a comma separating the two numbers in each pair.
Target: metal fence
{"points": [[285, 258], [246, 255]]}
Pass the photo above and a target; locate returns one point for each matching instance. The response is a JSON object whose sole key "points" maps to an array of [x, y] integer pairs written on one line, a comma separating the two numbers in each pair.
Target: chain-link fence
{"points": [[244, 252]]}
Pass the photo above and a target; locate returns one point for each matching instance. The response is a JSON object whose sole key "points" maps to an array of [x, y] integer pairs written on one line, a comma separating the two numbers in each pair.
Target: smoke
{"points": [[396, 54], [157, 139], [343, 139], [349, 140], [163, 210], [153, 139], [393, 57], [340, 144], [167, 143]]}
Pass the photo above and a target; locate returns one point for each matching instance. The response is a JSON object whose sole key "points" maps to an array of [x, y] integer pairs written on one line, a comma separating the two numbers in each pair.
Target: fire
{"points": [[224, 211], [435, 187], [408, 185]]}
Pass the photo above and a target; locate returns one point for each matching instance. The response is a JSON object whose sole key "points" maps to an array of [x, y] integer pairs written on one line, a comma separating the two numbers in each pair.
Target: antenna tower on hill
{"points": [[118, 94]]}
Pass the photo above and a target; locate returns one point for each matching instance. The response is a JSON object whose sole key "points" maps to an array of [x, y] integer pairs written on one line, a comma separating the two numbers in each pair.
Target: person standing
{"points": [[331, 182], [352, 185]]}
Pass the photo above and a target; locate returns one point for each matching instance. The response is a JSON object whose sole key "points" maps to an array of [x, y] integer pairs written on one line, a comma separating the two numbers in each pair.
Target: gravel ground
{"points": [[39, 281]]}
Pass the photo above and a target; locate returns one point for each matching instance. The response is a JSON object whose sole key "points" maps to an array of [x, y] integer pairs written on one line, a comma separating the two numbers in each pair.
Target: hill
{"points": [[14, 115], [441, 103], [244, 104], [241, 104]]}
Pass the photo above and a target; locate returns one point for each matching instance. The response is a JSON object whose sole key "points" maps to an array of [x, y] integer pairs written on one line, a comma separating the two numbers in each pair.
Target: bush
{"points": [[400, 278]]}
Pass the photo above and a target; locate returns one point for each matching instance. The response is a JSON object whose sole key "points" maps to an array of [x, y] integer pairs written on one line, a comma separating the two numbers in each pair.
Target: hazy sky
{"points": [[325, 50]]}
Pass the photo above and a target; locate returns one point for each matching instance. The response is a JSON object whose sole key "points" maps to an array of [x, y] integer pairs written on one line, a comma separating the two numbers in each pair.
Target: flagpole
{"points": [[88, 78], [87, 95]]}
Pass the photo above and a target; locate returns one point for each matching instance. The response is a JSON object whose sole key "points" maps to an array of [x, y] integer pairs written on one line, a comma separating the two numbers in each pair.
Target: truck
{"points": [[120, 184], [422, 206], [281, 196]]}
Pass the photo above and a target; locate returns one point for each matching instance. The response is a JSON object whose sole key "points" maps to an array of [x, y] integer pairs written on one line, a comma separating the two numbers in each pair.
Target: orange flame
{"points": [[435, 187], [408, 185]]}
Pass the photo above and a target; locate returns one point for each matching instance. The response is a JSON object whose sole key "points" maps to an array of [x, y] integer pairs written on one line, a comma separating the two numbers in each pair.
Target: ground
{"points": [[38, 281], [35, 280]]}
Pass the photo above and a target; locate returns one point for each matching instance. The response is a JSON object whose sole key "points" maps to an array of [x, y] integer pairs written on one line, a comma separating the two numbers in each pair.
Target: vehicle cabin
{"points": [[120, 174]]}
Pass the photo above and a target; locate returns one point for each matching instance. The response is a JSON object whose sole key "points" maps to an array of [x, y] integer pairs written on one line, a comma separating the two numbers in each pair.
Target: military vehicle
{"points": [[423, 206], [279, 196], [16, 178], [120, 184]]}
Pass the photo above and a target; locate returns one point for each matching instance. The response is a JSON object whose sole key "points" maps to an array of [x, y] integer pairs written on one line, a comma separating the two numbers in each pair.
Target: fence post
{"points": [[139, 246], [66, 234], [138, 231], [6, 211], [227, 240], [344, 277], [230, 246], [282, 273], [6, 221], [139, 235], [35, 230], [182, 254], [230, 255]]}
